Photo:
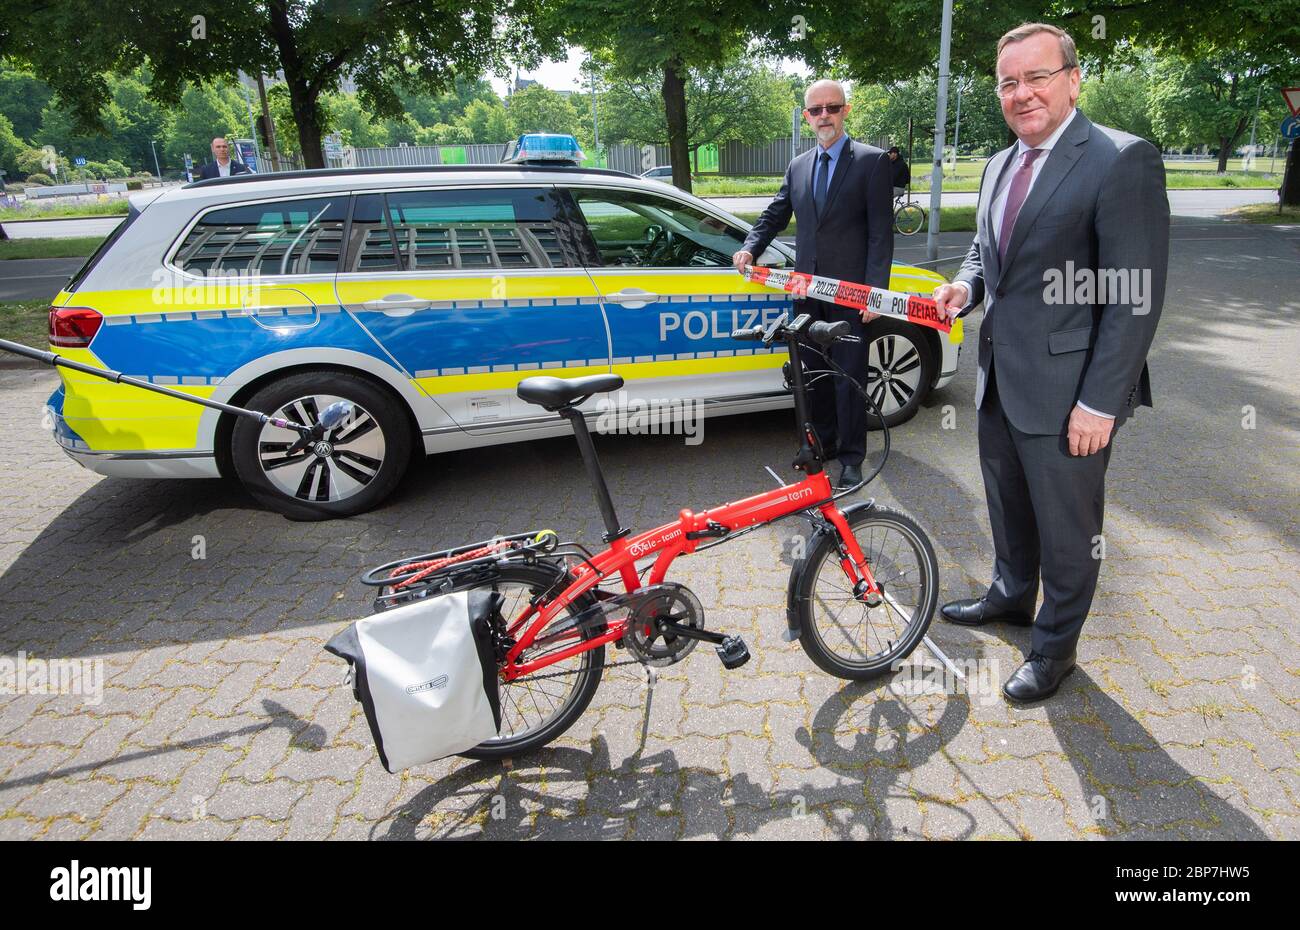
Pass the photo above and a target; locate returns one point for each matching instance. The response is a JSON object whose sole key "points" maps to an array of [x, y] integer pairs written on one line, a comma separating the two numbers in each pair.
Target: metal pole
{"points": [[956, 131], [252, 121], [1253, 121], [940, 117], [794, 134], [595, 129], [156, 169], [270, 124]]}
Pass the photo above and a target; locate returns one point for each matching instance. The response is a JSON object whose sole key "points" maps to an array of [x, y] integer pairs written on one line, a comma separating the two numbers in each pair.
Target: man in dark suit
{"points": [[222, 165], [840, 193], [1070, 258]]}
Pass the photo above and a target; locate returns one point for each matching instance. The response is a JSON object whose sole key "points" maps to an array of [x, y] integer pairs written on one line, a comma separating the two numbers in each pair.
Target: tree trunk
{"points": [[1291, 177], [674, 93], [302, 95], [1225, 146]]}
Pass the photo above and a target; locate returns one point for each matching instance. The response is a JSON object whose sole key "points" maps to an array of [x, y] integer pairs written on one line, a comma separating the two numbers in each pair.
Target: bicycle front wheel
{"points": [[537, 708], [841, 634], [908, 219]]}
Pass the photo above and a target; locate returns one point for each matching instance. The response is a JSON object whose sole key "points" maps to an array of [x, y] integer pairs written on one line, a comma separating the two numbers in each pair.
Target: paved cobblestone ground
{"points": [[223, 718]]}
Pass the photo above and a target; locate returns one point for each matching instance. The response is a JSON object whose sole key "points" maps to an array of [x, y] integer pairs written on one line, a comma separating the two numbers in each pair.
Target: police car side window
{"points": [[458, 229], [632, 228], [281, 238]]}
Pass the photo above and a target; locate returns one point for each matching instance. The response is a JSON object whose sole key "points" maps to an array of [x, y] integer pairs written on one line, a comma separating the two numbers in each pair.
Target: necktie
{"points": [[1015, 199], [819, 183]]}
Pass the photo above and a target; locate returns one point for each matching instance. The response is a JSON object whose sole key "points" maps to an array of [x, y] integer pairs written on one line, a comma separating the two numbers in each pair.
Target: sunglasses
{"points": [[831, 108]]}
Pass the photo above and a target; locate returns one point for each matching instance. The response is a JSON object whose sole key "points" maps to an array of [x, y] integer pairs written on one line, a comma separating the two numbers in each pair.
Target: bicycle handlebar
{"points": [[820, 332]]}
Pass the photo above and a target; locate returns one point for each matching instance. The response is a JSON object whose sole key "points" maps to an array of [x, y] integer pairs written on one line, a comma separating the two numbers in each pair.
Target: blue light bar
{"points": [[544, 147]]}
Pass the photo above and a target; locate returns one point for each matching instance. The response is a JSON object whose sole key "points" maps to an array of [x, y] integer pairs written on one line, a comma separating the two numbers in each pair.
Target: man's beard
{"points": [[826, 133]]}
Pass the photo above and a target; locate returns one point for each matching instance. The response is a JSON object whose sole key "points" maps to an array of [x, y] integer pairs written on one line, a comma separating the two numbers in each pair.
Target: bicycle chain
{"points": [[602, 667]]}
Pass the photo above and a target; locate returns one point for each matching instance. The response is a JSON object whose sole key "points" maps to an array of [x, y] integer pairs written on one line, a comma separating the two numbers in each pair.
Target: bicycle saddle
{"points": [[554, 393]]}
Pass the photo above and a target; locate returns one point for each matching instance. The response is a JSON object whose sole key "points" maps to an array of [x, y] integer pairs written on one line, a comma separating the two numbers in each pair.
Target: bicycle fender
{"points": [[798, 583]]}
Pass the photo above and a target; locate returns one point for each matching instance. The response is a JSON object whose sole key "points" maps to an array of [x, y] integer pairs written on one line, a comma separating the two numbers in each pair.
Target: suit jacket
{"points": [[854, 238], [1097, 207], [210, 170]]}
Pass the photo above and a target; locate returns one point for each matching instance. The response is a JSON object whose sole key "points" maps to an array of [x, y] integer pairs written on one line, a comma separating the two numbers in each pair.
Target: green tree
{"points": [[1210, 99], [738, 101], [382, 45], [536, 109], [1120, 97], [22, 98], [206, 110], [487, 121], [661, 43], [349, 118]]}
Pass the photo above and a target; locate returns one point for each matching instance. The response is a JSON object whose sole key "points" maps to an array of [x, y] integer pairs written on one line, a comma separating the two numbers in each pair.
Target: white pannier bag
{"points": [[426, 674]]}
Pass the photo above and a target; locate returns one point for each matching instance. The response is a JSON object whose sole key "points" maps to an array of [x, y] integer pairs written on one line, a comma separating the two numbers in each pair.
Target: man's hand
{"points": [[741, 259], [1088, 433], [868, 316], [949, 299]]}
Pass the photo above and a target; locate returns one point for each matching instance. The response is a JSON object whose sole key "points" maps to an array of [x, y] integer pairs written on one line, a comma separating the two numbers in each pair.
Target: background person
{"points": [[839, 193]]}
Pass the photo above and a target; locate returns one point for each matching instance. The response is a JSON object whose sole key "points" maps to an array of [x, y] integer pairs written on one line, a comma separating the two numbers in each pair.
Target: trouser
{"points": [[839, 412], [1046, 509]]}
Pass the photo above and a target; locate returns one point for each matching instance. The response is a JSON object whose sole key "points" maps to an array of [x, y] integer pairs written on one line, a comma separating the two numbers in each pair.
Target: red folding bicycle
{"points": [[859, 600]]}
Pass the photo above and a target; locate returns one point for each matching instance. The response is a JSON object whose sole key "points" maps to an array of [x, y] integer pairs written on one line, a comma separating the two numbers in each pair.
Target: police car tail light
{"points": [[74, 327]]}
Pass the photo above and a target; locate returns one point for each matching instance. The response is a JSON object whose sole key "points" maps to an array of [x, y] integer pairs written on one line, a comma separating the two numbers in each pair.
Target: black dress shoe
{"points": [[1038, 678], [849, 476], [977, 611]]}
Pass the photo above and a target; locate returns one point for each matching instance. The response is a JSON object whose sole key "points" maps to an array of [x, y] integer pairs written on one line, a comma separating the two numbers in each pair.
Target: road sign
{"points": [[1292, 97], [1291, 127], [79, 161]]}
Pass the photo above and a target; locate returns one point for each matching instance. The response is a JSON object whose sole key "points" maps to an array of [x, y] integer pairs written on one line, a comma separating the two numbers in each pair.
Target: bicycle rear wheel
{"points": [[909, 218], [841, 634], [538, 708]]}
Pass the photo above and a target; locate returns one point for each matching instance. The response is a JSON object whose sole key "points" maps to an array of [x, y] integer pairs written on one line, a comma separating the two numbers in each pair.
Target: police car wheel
{"points": [[353, 468], [900, 370]]}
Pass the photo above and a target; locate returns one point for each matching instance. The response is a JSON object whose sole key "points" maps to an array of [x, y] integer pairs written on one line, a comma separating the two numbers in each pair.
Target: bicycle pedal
{"points": [[733, 652]]}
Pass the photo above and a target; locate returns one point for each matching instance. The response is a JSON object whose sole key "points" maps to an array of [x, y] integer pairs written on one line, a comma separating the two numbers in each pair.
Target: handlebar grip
{"points": [[751, 334], [824, 333]]}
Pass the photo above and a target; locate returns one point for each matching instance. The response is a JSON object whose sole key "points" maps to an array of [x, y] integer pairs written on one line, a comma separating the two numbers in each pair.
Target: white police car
{"points": [[423, 296]]}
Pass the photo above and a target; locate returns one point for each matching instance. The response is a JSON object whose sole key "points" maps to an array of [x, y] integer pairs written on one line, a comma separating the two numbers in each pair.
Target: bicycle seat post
{"points": [[613, 529]]}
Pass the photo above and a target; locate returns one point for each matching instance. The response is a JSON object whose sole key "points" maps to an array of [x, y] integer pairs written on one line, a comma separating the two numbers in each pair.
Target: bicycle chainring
{"points": [[668, 601]]}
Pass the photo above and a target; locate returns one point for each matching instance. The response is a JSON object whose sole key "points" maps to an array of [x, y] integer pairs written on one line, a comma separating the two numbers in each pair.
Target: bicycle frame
{"points": [[683, 537], [670, 541]]}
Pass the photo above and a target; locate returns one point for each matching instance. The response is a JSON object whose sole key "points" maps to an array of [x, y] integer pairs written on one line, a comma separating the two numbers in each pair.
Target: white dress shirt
{"points": [[1003, 191], [223, 171]]}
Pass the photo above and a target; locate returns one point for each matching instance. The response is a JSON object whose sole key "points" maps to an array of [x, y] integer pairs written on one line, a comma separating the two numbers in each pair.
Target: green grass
{"points": [[66, 211], [1264, 213], [25, 321], [66, 247], [966, 177]]}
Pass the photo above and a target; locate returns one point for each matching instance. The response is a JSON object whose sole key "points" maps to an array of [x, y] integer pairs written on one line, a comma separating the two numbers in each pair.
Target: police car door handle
{"points": [[397, 303], [632, 298]]}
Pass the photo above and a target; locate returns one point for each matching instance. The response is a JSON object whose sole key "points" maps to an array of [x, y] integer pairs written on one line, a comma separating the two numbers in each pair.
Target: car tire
{"points": [[900, 370], [360, 464]]}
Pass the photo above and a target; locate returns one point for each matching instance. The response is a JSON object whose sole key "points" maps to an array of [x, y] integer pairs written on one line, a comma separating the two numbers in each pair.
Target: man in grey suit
{"points": [[840, 191], [1070, 257]]}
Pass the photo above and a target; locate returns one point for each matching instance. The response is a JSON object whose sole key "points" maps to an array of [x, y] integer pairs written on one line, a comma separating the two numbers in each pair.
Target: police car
{"points": [[422, 296]]}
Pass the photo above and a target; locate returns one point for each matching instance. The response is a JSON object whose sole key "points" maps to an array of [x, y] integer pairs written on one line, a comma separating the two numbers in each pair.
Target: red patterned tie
{"points": [[1015, 199]]}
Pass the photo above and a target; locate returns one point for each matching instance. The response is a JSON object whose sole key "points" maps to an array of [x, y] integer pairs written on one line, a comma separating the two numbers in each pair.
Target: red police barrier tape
{"points": [[910, 307]]}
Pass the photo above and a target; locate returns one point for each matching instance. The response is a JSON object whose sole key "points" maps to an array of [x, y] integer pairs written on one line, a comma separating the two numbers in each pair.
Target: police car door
{"points": [[472, 289], [663, 270]]}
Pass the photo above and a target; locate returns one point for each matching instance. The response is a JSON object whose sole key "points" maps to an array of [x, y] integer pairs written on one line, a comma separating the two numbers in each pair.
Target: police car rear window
{"points": [[99, 253], [446, 230], [285, 237]]}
